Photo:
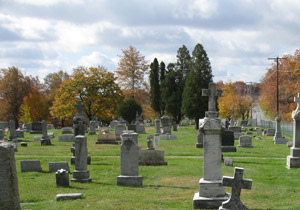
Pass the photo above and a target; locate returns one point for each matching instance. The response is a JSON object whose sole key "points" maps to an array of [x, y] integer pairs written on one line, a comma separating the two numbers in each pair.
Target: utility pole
{"points": [[277, 91], [278, 138]]}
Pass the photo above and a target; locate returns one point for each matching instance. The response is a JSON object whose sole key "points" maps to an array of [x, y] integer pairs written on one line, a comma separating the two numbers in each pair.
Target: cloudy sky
{"points": [[44, 36]]}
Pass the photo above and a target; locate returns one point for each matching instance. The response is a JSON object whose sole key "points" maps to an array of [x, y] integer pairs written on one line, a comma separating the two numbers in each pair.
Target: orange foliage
{"points": [[289, 85]]}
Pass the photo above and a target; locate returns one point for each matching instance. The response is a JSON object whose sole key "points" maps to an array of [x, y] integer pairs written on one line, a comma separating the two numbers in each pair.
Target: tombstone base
{"points": [[292, 162], [130, 180], [89, 159], [81, 176], [280, 140], [199, 145], [208, 203], [246, 146], [228, 149], [228, 205]]}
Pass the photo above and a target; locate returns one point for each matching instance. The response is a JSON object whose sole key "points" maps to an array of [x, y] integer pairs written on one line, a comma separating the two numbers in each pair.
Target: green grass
{"points": [[164, 187]]}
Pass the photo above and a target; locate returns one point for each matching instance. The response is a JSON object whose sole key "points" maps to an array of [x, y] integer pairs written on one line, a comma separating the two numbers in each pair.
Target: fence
{"points": [[286, 128]]}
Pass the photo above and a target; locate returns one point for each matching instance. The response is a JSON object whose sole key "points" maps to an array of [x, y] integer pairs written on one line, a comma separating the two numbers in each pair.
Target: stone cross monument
{"points": [[293, 160], [237, 183], [211, 192], [79, 117]]}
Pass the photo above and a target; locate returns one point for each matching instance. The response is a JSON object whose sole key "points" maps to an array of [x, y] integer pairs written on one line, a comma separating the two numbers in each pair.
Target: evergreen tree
{"points": [[154, 86], [172, 94], [183, 60], [128, 110], [198, 78], [162, 77]]}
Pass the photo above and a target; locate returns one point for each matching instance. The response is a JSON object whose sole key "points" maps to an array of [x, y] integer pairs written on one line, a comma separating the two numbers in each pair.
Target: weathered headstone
{"points": [[119, 130], [9, 191], [166, 124], [228, 162], [244, 123], [79, 129], [54, 166], [36, 128], [107, 139], [81, 174], [113, 124], [129, 163], [293, 160], [3, 125], [66, 138], [67, 130], [270, 132], [62, 178], [45, 138], [199, 143], [13, 134], [139, 128], [211, 192], [20, 133], [68, 196], [236, 183], [236, 130], [249, 132], [92, 127], [245, 141], [259, 132], [30, 165], [228, 141], [157, 126], [50, 126]]}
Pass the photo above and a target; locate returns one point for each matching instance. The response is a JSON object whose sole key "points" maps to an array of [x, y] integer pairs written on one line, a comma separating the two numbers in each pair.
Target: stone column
{"points": [[92, 127], [129, 163], [278, 138], [157, 126], [81, 174], [293, 160], [211, 191], [45, 138], [9, 191]]}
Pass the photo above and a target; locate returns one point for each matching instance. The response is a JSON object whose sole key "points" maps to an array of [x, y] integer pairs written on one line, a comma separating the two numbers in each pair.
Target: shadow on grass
{"points": [[256, 163], [101, 164]]}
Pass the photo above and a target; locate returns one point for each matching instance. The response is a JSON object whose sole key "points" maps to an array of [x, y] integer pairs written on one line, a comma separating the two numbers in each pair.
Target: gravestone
{"points": [[23, 144], [249, 132], [30, 166], [237, 131], [66, 138], [3, 125], [132, 127], [236, 183], [68, 196], [113, 124], [175, 127], [92, 127], [20, 133], [270, 132], [50, 126], [139, 128], [129, 163], [227, 138], [293, 160], [157, 126], [45, 138], [245, 141], [259, 132], [166, 124], [9, 191], [81, 174], [102, 129], [132, 135], [167, 136], [211, 192], [13, 134], [67, 130], [119, 130], [62, 178], [36, 128], [107, 139], [199, 143], [1, 134], [54, 166], [228, 162], [151, 157], [278, 138], [28, 127], [244, 123]]}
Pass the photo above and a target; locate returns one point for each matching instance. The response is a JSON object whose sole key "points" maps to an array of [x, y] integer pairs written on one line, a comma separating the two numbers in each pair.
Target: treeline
{"points": [[177, 88], [289, 86]]}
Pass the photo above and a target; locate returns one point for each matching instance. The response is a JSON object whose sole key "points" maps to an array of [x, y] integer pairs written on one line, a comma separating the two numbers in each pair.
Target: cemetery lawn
{"points": [[164, 187]]}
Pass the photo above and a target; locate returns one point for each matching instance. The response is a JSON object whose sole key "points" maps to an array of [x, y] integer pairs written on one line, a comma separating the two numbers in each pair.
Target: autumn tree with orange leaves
{"points": [[234, 101], [289, 86]]}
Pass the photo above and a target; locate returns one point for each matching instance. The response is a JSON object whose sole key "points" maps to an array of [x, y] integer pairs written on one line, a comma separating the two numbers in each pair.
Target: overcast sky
{"points": [[44, 36]]}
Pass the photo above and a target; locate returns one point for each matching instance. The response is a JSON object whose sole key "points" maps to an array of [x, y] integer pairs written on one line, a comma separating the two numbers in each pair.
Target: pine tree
{"points": [[183, 60], [154, 86], [198, 78], [161, 80]]}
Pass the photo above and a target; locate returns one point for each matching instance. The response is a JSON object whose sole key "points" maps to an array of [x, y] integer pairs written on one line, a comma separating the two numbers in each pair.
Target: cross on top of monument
{"points": [[79, 106], [297, 100], [212, 94], [237, 183]]}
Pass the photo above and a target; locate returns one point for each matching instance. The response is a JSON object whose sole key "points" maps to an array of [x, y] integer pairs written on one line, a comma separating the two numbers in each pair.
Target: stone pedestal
{"points": [[9, 190], [81, 174], [278, 138], [62, 178], [211, 192], [293, 160], [157, 126]]}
